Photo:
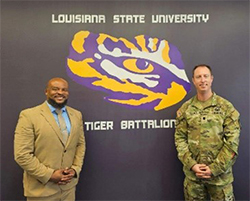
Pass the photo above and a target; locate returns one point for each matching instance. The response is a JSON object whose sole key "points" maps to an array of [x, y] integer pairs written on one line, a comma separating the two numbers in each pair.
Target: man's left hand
{"points": [[205, 173], [68, 174]]}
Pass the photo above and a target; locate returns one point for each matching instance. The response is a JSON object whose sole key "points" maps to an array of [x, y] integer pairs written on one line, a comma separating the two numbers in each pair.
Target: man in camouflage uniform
{"points": [[207, 140]]}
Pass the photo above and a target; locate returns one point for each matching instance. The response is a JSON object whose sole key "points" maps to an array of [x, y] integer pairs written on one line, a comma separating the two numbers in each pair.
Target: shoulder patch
{"points": [[178, 113]]}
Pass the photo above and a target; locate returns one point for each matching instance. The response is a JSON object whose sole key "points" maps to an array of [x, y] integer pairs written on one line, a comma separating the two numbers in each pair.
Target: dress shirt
{"points": [[64, 114]]}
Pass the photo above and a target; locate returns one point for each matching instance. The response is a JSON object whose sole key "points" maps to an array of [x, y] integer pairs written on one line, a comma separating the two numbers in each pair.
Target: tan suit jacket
{"points": [[39, 150]]}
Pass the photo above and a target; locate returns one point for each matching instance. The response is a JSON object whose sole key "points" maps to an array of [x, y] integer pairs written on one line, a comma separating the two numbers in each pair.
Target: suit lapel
{"points": [[72, 122], [47, 114]]}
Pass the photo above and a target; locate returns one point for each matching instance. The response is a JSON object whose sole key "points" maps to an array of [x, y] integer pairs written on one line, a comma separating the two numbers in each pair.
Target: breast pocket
{"points": [[193, 119]]}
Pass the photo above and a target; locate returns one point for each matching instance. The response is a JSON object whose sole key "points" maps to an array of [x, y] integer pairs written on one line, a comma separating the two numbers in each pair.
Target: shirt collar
{"points": [[53, 109], [214, 99], [197, 104]]}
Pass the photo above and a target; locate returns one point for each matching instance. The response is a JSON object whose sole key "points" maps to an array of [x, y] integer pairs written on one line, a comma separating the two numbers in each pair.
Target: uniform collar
{"points": [[196, 102], [214, 99]]}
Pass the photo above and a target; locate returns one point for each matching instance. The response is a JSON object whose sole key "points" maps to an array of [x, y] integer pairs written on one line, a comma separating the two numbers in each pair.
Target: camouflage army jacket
{"points": [[208, 135]]}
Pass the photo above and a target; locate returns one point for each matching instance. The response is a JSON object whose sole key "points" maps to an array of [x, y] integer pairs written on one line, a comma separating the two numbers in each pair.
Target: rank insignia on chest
{"points": [[217, 110]]}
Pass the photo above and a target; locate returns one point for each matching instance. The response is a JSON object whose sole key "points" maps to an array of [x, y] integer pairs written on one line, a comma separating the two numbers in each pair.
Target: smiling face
{"points": [[57, 92], [202, 80]]}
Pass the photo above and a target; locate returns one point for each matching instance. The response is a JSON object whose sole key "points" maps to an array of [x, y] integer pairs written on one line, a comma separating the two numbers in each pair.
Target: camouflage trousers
{"points": [[200, 191]]}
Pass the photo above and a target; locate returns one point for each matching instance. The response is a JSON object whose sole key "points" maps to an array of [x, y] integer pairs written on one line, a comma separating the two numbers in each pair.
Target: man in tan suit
{"points": [[50, 157]]}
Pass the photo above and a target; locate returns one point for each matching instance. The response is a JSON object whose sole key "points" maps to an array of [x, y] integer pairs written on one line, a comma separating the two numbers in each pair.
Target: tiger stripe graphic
{"points": [[144, 73]]}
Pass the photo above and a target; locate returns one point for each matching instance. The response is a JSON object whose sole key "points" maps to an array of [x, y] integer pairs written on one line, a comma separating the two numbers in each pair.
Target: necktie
{"points": [[62, 126]]}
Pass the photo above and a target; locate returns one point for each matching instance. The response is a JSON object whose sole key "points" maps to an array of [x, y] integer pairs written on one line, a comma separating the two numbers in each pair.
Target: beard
{"points": [[57, 105]]}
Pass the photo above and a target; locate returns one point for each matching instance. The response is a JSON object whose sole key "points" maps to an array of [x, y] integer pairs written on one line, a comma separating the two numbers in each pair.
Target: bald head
{"points": [[55, 79]]}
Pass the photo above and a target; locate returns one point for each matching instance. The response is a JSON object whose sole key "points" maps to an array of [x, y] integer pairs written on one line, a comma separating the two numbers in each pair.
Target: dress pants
{"points": [[68, 195]]}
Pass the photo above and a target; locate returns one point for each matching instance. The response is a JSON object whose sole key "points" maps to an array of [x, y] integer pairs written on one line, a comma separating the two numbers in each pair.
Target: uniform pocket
{"points": [[228, 193]]}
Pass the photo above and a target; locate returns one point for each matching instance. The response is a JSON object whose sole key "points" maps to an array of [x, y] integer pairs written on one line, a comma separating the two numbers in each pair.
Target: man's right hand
{"points": [[201, 171], [56, 176], [62, 176]]}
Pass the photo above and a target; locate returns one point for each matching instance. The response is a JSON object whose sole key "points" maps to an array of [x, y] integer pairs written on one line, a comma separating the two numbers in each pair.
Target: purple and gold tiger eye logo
{"points": [[145, 73]]}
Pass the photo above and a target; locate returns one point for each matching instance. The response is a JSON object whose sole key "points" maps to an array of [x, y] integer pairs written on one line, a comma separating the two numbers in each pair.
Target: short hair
{"points": [[202, 65]]}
